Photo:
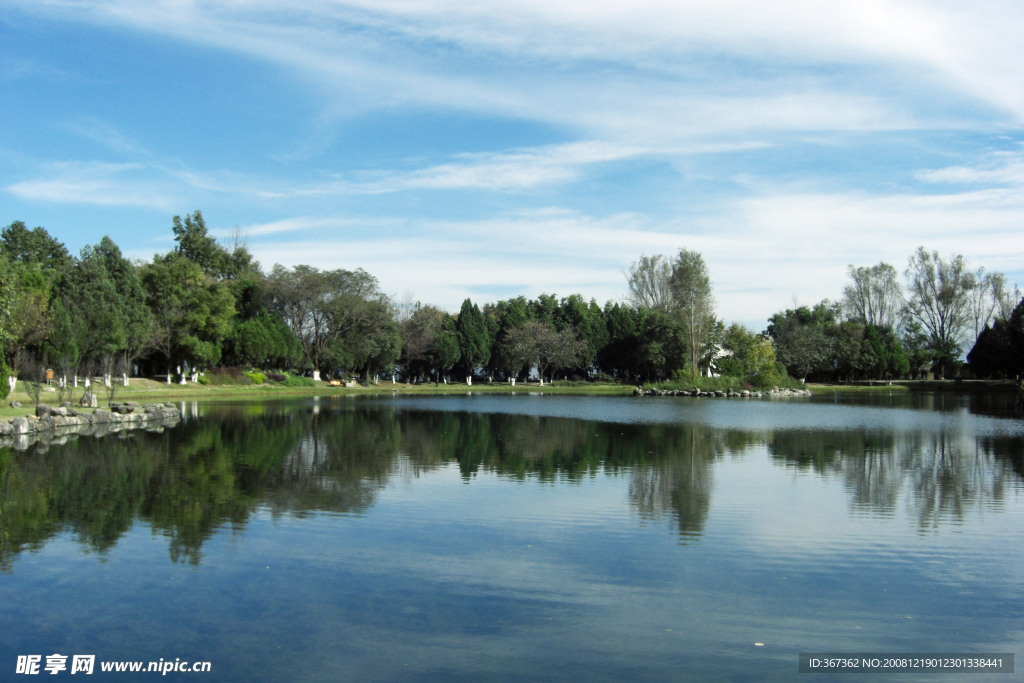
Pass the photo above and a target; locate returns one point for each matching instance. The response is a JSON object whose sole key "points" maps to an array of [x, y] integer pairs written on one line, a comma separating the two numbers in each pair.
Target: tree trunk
{"points": [[469, 380]]}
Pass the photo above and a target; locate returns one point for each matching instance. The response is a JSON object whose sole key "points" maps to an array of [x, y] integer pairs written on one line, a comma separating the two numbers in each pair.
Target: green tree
{"points": [[327, 310], [191, 312], [20, 244], [546, 347], [507, 316], [803, 338], [691, 289], [443, 352], [474, 344], [198, 246]]}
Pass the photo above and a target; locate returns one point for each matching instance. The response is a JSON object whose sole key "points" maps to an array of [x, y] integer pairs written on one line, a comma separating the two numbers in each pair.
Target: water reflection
{"points": [[944, 473], [223, 463]]}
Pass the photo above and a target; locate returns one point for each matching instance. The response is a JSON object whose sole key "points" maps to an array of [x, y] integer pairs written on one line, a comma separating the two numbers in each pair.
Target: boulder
{"points": [[15, 404], [42, 410], [101, 416], [19, 425], [132, 404], [89, 400], [65, 404]]}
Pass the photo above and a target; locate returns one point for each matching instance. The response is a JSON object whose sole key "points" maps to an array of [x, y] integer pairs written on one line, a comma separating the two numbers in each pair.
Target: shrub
{"points": [[204, 381], [227, 376], [256, 377], [296, 381], [290, 380]]}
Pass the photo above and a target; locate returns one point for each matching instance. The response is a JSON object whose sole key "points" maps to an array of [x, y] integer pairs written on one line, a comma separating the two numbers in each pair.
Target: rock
{"points": [[88, 400], [5, 428], [719, 393], [132, 404], [65, 404], [19, 425], [101, 416], [745, 393], [15, 404], [42, 410]]}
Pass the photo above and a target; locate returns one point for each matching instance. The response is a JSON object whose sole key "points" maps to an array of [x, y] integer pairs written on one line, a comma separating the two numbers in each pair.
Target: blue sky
{"points": [[490, 149]]}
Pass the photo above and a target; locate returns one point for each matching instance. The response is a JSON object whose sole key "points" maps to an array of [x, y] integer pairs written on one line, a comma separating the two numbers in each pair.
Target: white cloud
{"points": [[764, 253], [637, 71], [97, 183]]}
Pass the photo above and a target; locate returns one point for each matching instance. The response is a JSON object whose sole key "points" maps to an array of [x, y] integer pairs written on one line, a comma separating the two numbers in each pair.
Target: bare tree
{"points": [[692, 294], [114, 366], [32, 373], [650, 283], [1008, 301], [875, 296], [67, 368], [989, 289], [940, 297]]}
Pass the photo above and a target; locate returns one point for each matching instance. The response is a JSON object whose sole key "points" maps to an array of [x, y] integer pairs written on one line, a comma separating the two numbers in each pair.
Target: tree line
{"points": [[886, 328], [204, 305]]}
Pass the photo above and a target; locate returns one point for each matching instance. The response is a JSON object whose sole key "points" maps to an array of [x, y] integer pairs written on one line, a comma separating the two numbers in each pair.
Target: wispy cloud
{"points": [[998, 168], [762, 254], [688, 67], [98, 183]]}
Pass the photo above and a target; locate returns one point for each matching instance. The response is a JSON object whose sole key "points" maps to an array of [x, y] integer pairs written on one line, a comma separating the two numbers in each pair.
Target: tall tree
{"points": [[474, 344], [650, 283], [985, 298], [939, 299], [691, 288], [18, 243], [191, 311], [197, 245], [874, 296]]}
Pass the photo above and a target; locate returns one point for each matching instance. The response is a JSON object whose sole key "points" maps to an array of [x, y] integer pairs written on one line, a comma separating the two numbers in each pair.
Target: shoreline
{"points": [[154, 391]]}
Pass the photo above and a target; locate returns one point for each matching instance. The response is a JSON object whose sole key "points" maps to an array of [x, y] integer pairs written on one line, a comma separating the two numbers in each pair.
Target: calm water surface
{"points": [[521, 538]]}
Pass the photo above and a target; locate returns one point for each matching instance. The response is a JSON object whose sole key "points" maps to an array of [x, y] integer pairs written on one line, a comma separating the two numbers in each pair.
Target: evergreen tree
{"points": [[474, 344]]}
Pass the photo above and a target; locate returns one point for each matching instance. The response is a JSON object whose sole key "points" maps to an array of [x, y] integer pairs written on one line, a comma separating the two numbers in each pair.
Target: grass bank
{"points": [[153, 391]]}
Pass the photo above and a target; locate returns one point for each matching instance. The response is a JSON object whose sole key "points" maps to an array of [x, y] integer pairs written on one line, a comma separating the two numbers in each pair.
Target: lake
{"points": [[520, 538]]}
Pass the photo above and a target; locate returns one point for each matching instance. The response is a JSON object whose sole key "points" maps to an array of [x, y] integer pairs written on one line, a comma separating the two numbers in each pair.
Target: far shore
{"points": [[144, 391]]}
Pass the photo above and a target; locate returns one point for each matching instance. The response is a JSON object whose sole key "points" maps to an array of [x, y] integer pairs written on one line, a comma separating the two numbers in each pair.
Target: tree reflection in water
{"points": [[213, 473]]}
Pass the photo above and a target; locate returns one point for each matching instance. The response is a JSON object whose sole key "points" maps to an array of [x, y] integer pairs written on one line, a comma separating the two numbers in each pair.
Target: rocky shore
{"points": [[54, 425], [772, 393]]}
